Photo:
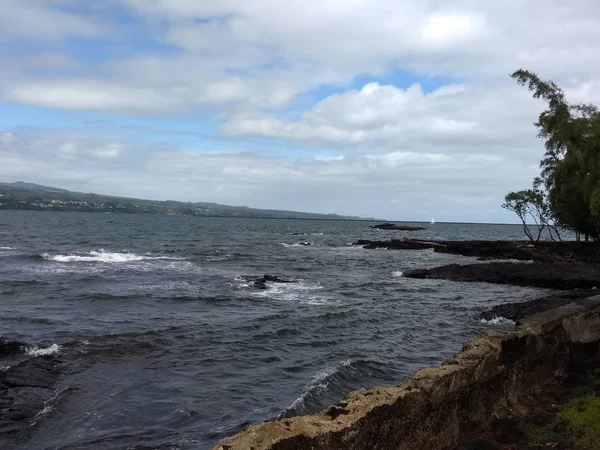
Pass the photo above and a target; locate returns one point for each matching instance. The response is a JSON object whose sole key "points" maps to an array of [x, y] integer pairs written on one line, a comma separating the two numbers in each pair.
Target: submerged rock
{"points": [[261, 282]]}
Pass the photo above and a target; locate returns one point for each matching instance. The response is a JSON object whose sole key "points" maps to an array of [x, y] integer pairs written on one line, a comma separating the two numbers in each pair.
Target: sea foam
{"points": [[102, 256], [498, 321], [36, 351]]}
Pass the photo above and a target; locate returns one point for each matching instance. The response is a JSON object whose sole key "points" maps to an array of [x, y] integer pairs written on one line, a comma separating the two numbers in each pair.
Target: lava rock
{"points": [[10, 348], [261, 282], [559, 276], [518, 311], [393, 226]]}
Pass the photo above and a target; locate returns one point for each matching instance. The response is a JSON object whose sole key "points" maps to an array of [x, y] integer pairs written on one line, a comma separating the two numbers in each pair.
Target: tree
{"points": [[529, 203], [570, 167]]}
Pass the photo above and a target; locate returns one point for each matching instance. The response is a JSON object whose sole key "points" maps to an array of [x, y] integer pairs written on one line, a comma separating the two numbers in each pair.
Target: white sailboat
{"points": [[432, 220]]}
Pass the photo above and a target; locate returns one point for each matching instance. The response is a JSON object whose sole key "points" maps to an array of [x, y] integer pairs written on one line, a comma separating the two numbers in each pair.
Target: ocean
{"points": [[166, 343]]}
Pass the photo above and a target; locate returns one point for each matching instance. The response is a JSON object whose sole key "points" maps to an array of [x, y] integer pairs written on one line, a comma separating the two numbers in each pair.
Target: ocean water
{"points": [[165, 344]]}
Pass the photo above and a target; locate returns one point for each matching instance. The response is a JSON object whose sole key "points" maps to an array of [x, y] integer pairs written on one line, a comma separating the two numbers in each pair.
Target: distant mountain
{"points": [[32, 187], [31, 196]]}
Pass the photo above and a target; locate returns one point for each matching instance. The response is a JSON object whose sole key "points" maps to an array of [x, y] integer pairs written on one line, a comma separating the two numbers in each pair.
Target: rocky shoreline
{"points": [[537, 387], [571, 267]]}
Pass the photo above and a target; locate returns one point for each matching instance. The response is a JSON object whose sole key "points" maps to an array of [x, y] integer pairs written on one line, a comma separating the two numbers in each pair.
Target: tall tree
{"points": [[570, 167]]}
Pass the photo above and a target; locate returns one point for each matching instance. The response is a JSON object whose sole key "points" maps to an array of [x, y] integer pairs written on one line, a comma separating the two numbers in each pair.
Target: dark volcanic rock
{"points": [[549, 252], [489, 249], [393, 226], [261, 282], [518, 311], [560, 276], [397, 244], [10, 348]]}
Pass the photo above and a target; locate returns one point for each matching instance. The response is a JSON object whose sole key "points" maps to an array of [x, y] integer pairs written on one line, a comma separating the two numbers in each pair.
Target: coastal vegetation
{"points": [[566, 194]]}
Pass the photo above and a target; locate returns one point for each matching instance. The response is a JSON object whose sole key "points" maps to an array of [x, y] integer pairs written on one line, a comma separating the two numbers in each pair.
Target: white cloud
{"points": [[417, 184], [270, 69]]}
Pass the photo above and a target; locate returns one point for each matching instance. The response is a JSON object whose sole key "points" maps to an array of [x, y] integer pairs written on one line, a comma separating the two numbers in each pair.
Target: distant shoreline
{"points": [[275, 218]]}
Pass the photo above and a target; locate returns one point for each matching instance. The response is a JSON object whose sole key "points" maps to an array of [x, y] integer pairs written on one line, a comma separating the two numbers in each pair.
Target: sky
{"points": [[399, 109]]}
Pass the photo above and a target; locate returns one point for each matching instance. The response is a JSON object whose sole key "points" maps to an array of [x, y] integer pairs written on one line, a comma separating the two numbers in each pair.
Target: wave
{"points": [[306, 234], [296, 292], [102, 256], [397, 273], [6, 248], [297, 244], [498, 321], [36, 351], [334, 382], [318, 384]]}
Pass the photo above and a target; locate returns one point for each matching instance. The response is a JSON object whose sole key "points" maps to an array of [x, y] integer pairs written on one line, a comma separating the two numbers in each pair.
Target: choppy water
{"points": [[167, 346]]}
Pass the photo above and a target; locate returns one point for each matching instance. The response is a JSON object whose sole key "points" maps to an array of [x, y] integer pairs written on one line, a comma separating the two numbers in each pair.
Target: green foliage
{"points": [[582, 415], [579, 422], [570, 167]]}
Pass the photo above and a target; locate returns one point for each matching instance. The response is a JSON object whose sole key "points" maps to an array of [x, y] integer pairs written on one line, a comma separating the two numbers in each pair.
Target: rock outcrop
{"points": [[393, 226], [261, 282], [485, 381], [560, 276]]}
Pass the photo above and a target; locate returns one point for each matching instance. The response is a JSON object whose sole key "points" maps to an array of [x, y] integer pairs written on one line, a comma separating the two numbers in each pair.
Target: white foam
{"points": [[298, 244], [397, 273], [36, 351], [6, 248], [295, 292], [103, 256], [498, 321]]}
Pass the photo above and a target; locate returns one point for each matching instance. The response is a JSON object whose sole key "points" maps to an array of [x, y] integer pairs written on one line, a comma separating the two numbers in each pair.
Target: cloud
{"points": [[325, 105], [418, 185], [35, 19]]}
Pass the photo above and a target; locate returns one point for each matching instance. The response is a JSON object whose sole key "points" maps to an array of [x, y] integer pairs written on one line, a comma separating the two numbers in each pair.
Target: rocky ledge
{"points": [[393, 226], [549, 252], [482, 388], [560, 276]]}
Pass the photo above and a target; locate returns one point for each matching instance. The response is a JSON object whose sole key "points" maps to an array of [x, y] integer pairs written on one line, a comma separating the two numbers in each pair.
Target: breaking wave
{"points": [[36, 351], [498, 321], [102, 256]]}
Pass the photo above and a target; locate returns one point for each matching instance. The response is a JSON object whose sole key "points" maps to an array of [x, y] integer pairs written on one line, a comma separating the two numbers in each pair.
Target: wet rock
{"points": [[10, 348], [261, 282], [518, 311], [518, 250], [557, 276], [393, 226], [397, 244]]}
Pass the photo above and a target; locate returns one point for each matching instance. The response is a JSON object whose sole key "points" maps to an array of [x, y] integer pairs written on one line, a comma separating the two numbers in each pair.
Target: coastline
{"points": [[496, 376]]}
